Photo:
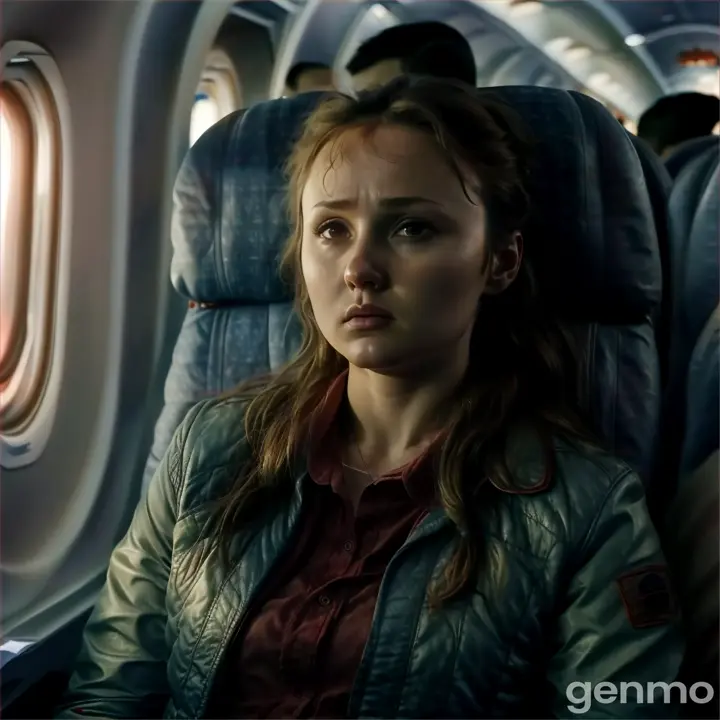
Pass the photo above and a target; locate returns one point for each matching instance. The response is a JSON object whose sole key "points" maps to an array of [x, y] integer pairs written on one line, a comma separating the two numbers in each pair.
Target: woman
{"points": [[409, 520]]}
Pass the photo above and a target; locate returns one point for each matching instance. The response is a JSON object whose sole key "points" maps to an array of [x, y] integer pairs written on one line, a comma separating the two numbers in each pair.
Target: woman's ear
{"points": [[505, 265]]}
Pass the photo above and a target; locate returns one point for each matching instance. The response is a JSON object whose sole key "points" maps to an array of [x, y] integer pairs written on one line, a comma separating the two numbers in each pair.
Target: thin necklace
{"points": [[362, 460]]}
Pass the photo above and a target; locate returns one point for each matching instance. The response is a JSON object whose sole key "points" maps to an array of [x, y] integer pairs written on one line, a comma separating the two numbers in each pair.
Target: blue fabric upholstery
{"points": [[691, 531], [694, 250], [229, 226], [659, 184], [694, 246], [686, 152], [594, 245], [592, 239], [702, 419]]}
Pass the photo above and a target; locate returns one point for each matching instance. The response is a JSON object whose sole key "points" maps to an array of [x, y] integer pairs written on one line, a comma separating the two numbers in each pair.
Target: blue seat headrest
{"points": [[231, 222], [686, 152], [592, 238], [695, 223]]}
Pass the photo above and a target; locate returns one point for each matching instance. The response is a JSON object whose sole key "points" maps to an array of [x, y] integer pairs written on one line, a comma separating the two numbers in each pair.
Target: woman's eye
{"points": [[332, 230], [415, 229]]}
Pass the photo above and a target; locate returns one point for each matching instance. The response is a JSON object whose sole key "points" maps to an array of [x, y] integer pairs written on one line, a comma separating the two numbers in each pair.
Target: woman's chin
{"points": [[369, 355], [379, 357]]}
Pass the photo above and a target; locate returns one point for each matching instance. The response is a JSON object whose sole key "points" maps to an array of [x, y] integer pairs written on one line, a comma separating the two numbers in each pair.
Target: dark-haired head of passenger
{"points": [[308, 77], [429, 48], [675, 119]]}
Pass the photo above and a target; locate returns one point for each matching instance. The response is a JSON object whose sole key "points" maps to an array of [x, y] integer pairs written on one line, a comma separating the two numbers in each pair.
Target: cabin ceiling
{"points": [[549, 39], [670, 27]]}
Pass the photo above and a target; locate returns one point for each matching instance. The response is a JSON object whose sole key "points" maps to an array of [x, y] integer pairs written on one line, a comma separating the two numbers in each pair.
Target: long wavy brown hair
{"points": [[523, 369]]}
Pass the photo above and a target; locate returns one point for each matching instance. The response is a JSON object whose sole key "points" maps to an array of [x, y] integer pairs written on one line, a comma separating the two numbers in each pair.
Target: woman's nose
{"points": [[365, 271]]}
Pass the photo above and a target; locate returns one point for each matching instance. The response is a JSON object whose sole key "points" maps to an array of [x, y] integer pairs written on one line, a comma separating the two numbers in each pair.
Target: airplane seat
{"points": [[228, 229], [593, 243], [592, 239], [688, 487], [659, 184], [692, 531], [687, 151], [702, 419], [694, 246]]}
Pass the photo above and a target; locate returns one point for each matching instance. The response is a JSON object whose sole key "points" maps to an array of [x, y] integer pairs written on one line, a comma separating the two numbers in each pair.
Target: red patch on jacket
{"points": [[647, 596]]}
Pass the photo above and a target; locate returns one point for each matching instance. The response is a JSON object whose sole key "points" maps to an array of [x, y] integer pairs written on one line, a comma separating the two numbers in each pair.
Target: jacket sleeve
{"points": [[618, 629], [121, 669]]}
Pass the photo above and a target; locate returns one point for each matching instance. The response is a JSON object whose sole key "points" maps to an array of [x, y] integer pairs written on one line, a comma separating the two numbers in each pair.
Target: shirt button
{"points": [[324, 600], [348, 546]]}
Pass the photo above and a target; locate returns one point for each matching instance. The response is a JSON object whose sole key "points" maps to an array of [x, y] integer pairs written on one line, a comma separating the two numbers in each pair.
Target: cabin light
{"points": [[579, 52], [564, 48], [698, 58], [558, 45], [380, 11], [634, 40], [599, 81], [708, 84], [523, 8]]}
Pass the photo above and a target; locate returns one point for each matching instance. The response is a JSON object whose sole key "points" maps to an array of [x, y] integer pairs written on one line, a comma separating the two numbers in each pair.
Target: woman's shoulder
{"points": [[211, 448], [587, 468], [562, 465], [214, 423], [573, 488]]}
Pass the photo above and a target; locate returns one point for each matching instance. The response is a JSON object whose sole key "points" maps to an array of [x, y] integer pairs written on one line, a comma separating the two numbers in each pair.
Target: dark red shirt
{"points": [[300, 648]]}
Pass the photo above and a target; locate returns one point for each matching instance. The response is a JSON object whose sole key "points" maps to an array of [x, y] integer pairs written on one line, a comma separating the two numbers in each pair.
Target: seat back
{"points": [[694, 252], [702, 414], [659, 184], [593, 242], [686, 152], [692, 531], [592, 239], [694, 211], [228, 229]]}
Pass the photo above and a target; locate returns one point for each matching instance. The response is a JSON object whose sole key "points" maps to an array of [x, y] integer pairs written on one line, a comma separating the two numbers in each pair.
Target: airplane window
{"points": [[6, 287], [218, 94], [15, 209], [30, 197], [205, 113]]}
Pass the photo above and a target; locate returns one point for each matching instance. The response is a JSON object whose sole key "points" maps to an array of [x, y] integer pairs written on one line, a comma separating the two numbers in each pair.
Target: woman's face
{"points": [[389, 231]]}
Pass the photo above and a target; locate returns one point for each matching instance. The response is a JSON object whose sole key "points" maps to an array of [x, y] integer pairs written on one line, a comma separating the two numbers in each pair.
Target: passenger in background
{"points": [[411, 519], [427, 48], [677, 118], [308, 77]]}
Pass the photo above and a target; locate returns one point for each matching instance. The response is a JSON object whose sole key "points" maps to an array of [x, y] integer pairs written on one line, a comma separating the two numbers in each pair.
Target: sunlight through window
{"points": [[205, 114], [7, 293]]}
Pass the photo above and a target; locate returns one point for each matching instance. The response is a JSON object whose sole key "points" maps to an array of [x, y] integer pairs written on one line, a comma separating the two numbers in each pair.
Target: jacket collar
{"points": [[531, 463]]}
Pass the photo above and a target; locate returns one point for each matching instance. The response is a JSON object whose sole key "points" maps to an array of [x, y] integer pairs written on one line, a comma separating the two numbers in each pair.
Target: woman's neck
{"points": [[392, 418]]}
